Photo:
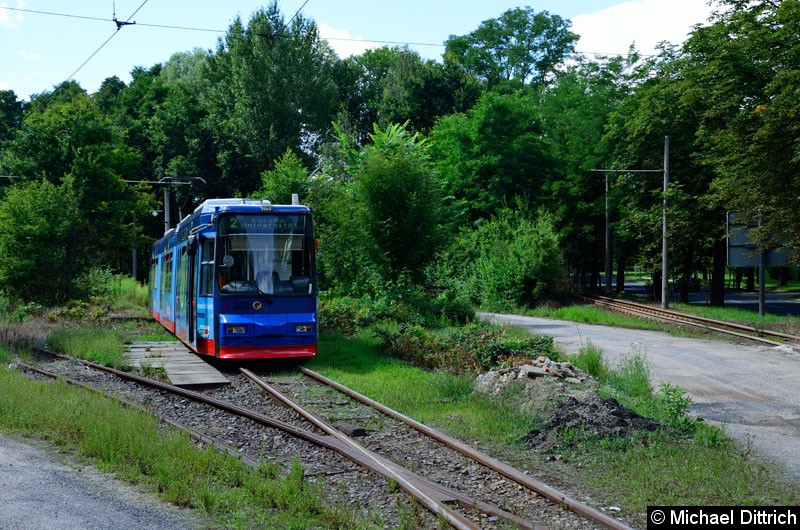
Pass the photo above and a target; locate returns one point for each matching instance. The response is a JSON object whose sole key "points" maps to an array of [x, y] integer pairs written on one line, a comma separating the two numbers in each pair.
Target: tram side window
{"points": [[182, 267], [166, 273], [153, 265], [207, 268]]}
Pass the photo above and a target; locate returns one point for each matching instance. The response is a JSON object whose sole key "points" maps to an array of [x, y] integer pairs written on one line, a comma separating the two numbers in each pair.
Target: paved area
{"points": [[753, 392], [775, 302], [38, 491]]}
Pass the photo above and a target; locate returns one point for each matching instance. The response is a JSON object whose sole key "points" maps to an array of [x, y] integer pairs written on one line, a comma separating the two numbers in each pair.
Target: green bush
{"points": [[345, 314], [79, 310], [455, 308], [399, 301], [512, 260], [14, 309], [675, 404], [473, 348], [95, 282]]}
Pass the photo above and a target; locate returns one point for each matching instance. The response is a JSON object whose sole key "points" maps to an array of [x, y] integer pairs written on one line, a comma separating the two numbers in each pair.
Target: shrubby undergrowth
{"points": [[512, 260], [473, 348], [401, 302]]}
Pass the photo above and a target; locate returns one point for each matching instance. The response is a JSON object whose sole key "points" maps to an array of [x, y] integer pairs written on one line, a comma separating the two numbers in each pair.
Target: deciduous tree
{"points": [[399, 196], [520, 46], [65, 141], [493, 153], [271, 87]]}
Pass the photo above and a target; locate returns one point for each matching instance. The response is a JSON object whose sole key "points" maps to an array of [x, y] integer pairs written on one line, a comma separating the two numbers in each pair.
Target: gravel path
{"points": [[39, 489], [752, 391]]}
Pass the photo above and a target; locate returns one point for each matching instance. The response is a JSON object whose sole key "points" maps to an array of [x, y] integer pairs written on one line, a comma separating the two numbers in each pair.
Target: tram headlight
{"points": [[303, 328], [236, 330]]}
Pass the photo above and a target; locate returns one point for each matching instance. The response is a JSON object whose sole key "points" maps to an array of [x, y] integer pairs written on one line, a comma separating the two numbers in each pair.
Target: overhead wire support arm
{"points": [[121, 23], [167, 182], [664, 232]]}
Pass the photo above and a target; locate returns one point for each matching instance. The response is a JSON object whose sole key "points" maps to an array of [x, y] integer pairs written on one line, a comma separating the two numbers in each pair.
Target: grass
{"points": [[438, 398], [743, 316], [590, 359], [100, 345], [631, 376], [589, 314], [125, 294], [135, 447]]}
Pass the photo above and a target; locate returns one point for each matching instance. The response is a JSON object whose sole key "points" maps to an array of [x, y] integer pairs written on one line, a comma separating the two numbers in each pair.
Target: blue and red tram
{"points": [[237, 280]]}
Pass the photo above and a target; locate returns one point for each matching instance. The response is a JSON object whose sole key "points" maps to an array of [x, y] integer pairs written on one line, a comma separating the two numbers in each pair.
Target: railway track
{"points": [[257, 418], [772, 338]]}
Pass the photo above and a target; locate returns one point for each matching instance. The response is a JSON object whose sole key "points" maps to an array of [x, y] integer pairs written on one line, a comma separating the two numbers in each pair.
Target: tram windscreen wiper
{"points": [[255, 286]]}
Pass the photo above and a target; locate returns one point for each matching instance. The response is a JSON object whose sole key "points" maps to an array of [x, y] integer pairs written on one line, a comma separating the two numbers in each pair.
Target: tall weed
{"points": [[632, 374], [102, 346], [590, 359]]}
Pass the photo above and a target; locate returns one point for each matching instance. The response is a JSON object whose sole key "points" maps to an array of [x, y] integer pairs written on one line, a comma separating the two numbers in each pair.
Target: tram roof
{"points": [[213, 205]]}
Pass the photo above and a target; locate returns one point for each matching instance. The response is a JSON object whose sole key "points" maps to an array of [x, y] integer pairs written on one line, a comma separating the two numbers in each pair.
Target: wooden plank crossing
{"points": [[183, 367]]}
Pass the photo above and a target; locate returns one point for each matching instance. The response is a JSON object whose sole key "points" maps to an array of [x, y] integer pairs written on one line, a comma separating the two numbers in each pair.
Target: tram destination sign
{"points": [[262, 224]]}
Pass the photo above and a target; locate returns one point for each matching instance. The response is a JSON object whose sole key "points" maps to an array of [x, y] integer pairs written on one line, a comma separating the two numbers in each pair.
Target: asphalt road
{"points": [[775, 302], [753, 392]]}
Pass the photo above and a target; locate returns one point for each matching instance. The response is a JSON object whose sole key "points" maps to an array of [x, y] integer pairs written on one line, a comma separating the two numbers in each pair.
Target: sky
{"points": [[40, 47]]}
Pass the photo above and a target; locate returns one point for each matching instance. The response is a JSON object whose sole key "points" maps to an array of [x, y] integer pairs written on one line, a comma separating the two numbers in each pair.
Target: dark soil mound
{"points": [[594, 417]]}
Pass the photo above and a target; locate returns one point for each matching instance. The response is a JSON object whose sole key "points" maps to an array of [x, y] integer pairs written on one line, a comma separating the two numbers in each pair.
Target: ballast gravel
{"points": [[372, 499]]}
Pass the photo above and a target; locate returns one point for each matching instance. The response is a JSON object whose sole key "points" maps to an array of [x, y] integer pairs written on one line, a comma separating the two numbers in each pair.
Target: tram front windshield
{"points": [[265, 254]]}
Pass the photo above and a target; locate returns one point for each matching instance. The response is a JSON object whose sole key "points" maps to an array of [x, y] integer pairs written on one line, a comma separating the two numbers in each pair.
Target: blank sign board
{"points": [[742, 253]]}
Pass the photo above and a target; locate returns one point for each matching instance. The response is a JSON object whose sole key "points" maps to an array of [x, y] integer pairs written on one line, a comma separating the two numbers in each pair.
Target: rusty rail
{"points": [[432, 495], [194, 433], [504, 469], [719, 326]]}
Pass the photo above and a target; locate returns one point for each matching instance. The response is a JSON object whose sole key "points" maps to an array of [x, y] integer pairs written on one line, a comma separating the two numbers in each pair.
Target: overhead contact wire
{"points": [[106, 42]]}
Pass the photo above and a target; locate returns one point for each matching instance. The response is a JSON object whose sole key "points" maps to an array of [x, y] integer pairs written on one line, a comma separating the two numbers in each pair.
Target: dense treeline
{"points": [[465, 180]]}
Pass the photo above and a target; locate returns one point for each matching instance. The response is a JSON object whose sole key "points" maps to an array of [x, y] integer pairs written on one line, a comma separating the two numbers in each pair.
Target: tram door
{"points": [[191, 301], [181, 300]]}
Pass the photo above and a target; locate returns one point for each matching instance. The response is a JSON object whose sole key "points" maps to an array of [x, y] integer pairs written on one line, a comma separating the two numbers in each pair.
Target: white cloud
{"points": [[343, 43], [10, 19], [25, 54], [644, 23], [4, 86]]}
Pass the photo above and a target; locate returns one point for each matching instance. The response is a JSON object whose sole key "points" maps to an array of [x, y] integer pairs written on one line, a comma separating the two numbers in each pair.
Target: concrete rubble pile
{"points": [[494, 381]]}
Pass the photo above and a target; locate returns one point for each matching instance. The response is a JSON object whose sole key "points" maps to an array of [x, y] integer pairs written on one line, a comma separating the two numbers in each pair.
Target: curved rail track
{"points": [[425, 483], [729, 328]]}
